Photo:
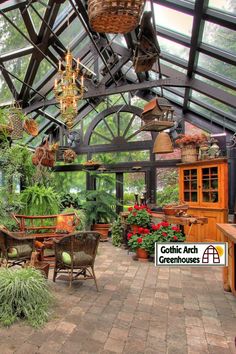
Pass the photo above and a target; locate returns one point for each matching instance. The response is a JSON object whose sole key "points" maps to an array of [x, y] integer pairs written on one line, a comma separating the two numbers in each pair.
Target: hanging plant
{"points": [[17, 118], [31, 127], [69, 156], [5, 125]]}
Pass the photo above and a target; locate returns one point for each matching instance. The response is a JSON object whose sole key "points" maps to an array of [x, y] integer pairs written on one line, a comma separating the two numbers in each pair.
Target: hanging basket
{"points": [[189, 153], [16, 119], [157, 126], [44, 156], [117, 16], [31, 127]]}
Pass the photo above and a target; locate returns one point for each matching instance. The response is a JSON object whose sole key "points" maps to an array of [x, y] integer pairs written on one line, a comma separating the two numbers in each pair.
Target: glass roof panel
{"points": [[215, 84], [173, 20], [172, 97], [223, 5], [42, 71], [213, 103], [18, 67], [40, 8], [11, 39], [173, 48], [5, 93], [173, 66], [216, 35], [73, 31], [217, 67]]}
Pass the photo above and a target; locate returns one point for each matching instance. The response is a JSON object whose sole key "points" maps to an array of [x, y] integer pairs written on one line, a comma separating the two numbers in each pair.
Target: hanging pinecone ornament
{"points": [[16, 117], [69, 156]]}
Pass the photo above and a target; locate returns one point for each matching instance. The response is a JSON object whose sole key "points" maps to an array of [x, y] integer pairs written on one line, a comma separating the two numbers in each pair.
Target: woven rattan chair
{"points": [[15, 247], [75, 255]]}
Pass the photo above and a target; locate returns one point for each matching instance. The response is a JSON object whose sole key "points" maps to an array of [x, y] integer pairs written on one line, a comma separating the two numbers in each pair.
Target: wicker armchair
{"points": [[75, 255], [15, 247]]}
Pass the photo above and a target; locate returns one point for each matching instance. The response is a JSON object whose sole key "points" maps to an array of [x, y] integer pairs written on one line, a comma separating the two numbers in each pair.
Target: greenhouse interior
{"points": [[118, 176]]}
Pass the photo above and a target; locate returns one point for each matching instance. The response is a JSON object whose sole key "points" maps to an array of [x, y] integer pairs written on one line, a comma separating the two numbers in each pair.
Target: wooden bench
{"points": [[43, 228]]}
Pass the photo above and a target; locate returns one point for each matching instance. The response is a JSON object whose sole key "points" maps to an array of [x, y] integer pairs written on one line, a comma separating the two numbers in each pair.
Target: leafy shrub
{"points": [[139, 215], [116, 233], [24, 294], [70, 200], [168, 195]]}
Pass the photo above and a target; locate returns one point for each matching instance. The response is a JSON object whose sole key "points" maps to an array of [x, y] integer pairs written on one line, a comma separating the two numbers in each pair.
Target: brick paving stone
{"points": [[27, 348], [114, 345], [216, 340], [118, 333], [138, 333]]}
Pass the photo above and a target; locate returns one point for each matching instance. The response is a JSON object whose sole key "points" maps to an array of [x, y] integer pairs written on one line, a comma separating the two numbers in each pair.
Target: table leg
{"points": [[226, 285]]}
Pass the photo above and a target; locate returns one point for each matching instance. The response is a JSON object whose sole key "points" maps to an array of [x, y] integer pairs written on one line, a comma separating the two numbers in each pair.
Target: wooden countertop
{"points": [[181, 220], [228, 230]]}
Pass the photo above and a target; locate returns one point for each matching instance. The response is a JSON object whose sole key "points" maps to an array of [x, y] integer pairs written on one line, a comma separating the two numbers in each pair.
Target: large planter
{"points": [[102, 229], [189, 153], [142, 255]]}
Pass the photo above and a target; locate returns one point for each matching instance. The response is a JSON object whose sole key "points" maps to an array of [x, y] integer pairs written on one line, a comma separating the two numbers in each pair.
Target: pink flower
{"points": [[155, 227], [130, 209], [136, 207], [175, 228], [129, 235], [175, 238], [146, 231], [140, 240], [164, 234]]}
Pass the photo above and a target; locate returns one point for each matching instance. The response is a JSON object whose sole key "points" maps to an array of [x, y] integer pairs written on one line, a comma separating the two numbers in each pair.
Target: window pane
{"points": [[223, 5], [40, 8], [173, 48], [167, 186], [220, 37], [215, 84], [173, 20], [11, 39], [217, 66], [18, 67], [70, 182], [212, 102]]}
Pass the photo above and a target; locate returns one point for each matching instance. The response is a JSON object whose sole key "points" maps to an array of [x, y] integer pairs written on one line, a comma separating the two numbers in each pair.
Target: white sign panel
{"points": [[191, 254]]}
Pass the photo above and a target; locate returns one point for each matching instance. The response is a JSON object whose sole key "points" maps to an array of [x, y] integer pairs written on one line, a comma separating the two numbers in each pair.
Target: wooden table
{"points": [[228, 234]]}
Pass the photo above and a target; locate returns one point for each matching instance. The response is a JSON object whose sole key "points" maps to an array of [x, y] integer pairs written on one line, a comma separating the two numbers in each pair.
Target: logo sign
{"points": [[191, 254]]}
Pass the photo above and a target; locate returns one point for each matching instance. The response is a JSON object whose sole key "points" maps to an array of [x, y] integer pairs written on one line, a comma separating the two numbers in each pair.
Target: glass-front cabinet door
{"points": [[190, 185], [209, 185]]}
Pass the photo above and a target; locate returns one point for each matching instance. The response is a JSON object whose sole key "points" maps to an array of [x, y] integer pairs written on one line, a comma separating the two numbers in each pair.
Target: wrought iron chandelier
{"points": [[67, 90]]}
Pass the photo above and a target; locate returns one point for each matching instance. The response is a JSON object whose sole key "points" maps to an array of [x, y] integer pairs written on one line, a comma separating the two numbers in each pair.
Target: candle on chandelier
{"points": [[55, 84], [73, 78], [82, 81], [78, 62], [59, 68]]}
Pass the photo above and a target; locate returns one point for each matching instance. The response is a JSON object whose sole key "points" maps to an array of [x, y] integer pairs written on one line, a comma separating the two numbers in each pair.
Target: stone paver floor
{"points": [[139, 309]]}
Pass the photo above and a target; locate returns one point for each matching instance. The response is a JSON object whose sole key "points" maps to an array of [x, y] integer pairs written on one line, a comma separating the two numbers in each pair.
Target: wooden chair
{"points": [[15, 247], [75, 255]]}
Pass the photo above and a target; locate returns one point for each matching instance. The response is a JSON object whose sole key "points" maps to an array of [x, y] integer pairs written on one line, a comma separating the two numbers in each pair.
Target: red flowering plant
{"points": [[139, 215], [195, 139], [165, 232], [139, 239]]}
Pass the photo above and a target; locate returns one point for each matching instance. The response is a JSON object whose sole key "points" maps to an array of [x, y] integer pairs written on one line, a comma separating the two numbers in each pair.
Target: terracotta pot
{"points": [[102, 229], [142, 254], [134, 228]]}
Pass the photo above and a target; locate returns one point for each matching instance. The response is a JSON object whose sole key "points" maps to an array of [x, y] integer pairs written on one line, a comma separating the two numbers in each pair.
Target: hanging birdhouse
{"points": [[157, 115]]}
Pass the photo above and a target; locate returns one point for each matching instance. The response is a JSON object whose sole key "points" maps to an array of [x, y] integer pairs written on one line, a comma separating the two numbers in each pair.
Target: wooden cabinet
{"points": [[204, 186]]}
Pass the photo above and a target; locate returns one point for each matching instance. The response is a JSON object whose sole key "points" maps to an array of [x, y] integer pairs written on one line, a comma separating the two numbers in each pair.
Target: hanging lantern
{"points": [[163, 144]]}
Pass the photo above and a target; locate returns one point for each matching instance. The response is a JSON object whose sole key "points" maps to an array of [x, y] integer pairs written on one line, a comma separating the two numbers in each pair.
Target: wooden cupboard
{"points": [[204, 186]]}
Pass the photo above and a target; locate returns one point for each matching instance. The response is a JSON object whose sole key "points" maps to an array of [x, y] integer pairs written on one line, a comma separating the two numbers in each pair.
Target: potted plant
{"points": [[139, 216], [189, 145], [100, 210], [139, 242]]}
